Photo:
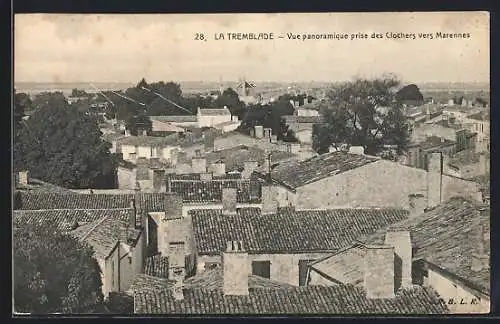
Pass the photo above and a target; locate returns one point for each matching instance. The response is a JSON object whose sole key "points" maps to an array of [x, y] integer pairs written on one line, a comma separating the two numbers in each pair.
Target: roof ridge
{"points": [[63, 209], [84, 237]]}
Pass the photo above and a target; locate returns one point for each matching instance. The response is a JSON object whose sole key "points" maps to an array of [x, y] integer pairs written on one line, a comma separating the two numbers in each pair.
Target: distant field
{"points": [[262, 86]]}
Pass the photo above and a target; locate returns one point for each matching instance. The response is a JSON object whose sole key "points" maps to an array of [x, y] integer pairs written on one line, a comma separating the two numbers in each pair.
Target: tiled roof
{"points": [[435, 141], [65, 219], [481, 116], [235, 157], [144, 282], [317, 300], [196, 176], [111, 137], [442, 237], [215, 112], [176, 119], [211, 191], [296, 174], [153, 141], [43, 200], [346, 266], [303, 119], [214, 279], [288, 231], [103, 234], [156, 266], [35, 185]]}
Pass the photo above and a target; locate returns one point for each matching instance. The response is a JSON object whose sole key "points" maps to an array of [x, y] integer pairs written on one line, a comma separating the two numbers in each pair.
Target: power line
{"points": [[168, 100]]}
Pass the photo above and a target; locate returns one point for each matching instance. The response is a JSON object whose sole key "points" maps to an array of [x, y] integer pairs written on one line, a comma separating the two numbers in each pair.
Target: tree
{"points": [[137, 124], [53, 272], [231, 100], [362, 113], [61, 145], [78, 93], [410, 93], [42, 99]]}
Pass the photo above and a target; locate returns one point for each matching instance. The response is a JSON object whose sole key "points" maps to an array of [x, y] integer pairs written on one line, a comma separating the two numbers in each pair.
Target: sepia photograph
{"points": [[333, 164]]}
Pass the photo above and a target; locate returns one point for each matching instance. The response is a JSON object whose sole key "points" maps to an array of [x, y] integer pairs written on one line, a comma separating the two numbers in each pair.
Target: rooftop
{"points": [[176, 119], [465, 157], [171, 140], [111, 137], [211, 191], [235, 157], [214, 112], [303, 119], [288, 230], [442, 237], [65, 219], [317, 300], [296, 174], [35, 185], [104, 234], [481, 116], [434, 142], [156, 266]]}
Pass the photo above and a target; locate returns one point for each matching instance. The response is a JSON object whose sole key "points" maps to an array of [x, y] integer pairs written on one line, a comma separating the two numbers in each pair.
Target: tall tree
{"points": [[61, 145], [363, 113], [410, 93], [53, 272], [231, 100]]}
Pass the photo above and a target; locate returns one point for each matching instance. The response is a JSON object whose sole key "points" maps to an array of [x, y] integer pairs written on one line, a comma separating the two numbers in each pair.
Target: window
{"points": [[262, 269]]}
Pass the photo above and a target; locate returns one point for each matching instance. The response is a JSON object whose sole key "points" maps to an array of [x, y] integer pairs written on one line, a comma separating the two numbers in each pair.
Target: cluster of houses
{"points": [[210, 221]]}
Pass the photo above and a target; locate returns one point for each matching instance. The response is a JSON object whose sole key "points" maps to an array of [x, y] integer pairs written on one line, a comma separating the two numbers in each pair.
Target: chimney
{"points": [[248, 168], [273, 139], [133, 215], [219, 168], [178, 291], [434, 179], [144, 132], [401, 241], [480, 238], [24, 177], [159, 180], [199, 165], [379, 271], [229, 201], [259, 131], [269, 200], [127, 132], [417, 204], [236, 269]]}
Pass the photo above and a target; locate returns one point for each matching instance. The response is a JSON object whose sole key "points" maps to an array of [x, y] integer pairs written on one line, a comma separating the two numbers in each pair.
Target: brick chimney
{"points": [[259, 131], [434, 179], [417, 204], [269, 200], [401, 241], [229, 201], [248, 168], [159, 180], [24, 177], [199, 164], [236, 269], [379, 271], [480, 239]]}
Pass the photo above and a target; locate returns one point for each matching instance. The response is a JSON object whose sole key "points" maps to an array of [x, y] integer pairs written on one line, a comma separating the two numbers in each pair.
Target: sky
{"points": [[127, 47]]}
